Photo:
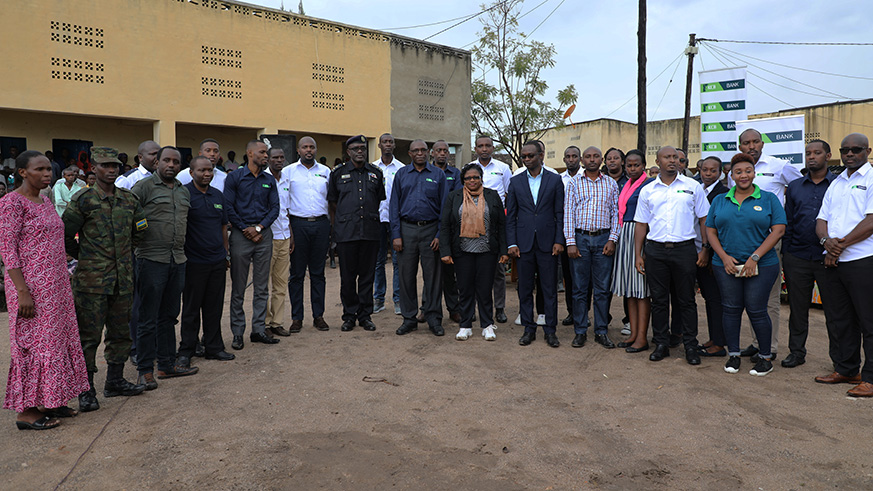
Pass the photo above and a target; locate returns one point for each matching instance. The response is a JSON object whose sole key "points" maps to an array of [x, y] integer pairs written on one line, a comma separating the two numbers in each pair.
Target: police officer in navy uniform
{"points": [[354, 193]]}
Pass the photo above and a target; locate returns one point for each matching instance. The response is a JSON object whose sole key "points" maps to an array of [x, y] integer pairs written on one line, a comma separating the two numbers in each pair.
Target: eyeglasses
{"points": [[357, 149], [854, 150], [684, 161], [472, 178]]}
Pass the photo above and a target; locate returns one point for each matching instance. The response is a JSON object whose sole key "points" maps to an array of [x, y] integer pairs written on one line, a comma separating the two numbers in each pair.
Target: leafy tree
{"points": [[508, 106]]}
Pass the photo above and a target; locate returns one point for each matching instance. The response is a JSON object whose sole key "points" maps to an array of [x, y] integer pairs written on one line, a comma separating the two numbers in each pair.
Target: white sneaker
{"points": [[541, 320], [488, 332], [518, 320], [625, 330], [464, 334]]}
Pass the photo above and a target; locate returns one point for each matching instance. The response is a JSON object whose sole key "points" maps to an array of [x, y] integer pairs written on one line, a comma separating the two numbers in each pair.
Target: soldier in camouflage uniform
{"points": [[109, 220]]}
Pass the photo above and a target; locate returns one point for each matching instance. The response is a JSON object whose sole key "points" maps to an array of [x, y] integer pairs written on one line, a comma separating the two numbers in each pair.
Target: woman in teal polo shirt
{"points": [[743, 225]]}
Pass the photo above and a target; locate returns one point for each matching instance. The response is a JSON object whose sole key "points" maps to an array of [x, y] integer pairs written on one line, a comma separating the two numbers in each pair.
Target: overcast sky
{"points": [[596, 46]]}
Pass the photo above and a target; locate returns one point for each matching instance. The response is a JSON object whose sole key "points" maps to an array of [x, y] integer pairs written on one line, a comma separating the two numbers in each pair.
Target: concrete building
{"points": [[119, 72], [829, 122]]}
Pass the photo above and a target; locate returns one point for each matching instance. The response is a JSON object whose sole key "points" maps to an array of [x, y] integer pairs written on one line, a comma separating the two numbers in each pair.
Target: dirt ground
{"points": [[464, 415]]}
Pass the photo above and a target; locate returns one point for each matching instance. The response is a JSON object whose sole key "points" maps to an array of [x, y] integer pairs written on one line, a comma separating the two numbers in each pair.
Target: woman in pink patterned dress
{"points": [[47, 367]]}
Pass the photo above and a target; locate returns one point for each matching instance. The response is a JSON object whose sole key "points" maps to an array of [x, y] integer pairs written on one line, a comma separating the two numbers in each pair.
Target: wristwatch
{"points": [[755, 257], [258, 228], [822, 240]]}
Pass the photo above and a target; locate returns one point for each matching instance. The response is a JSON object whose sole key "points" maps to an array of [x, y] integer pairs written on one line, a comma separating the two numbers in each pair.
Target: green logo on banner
{"points": [[720, 86], [711, 107], [724, 126], [719, 147]]}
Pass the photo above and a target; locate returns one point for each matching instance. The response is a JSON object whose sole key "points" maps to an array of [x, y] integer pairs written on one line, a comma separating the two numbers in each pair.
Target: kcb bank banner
{"points": [[783, 137], [722, 104]]}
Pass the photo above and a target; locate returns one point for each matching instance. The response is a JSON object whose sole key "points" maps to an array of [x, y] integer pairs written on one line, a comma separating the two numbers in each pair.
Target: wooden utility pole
{"points": [[641, 79], [691, 50]]}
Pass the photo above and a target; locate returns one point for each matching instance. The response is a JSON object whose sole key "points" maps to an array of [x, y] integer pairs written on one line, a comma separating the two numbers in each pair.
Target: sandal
{"points": [[61, 412], [42, 423]]}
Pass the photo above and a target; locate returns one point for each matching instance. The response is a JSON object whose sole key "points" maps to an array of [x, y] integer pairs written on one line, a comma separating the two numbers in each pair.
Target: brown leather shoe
{"points": [[296, 326], [837, 378], [456, 317], [864, 389], [319, 324], [279, 331]]}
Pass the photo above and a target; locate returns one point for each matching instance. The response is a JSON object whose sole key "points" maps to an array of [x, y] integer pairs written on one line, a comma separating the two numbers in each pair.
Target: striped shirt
{"points": [[591, 205]]}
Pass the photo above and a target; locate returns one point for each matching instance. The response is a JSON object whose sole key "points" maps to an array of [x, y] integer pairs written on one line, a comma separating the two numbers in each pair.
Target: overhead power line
{"points": [[648, 84], [678, 62], [740, 60], [782, 42], [722, 48], [466, 19], [547, 18]]}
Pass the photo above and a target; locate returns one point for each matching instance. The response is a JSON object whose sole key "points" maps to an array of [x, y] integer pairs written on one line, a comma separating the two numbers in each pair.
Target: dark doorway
{"points": [[187, 156], [70, 149], [288, 143], [7, 142]]}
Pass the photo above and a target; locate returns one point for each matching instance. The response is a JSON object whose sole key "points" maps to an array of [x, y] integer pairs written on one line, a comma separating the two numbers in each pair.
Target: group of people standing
{"points": [[158, 240]]}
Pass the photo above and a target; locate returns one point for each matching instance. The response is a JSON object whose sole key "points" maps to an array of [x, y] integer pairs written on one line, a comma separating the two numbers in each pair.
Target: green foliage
{"points": [[508, 105]]}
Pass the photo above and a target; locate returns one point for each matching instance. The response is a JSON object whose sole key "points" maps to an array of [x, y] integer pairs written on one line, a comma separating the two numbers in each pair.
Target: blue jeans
{"points": [[595, 268], [160, 287], [751, 294], [380, 285], [311, 242]]}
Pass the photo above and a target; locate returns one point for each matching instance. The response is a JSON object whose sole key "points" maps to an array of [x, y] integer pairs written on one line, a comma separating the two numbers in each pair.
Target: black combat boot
{"points": [[88, 399], [116, 385]]}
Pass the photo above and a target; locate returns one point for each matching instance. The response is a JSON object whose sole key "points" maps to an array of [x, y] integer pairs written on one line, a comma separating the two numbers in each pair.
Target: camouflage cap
{"points": [[104, 155]]}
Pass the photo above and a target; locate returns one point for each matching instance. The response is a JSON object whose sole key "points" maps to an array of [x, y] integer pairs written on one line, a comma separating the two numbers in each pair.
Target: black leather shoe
{"points": [[624, 344], [527, 338], [500, 316], [406, 329], [661, 351], [705, 353], [88, 401], [259, 337], [183, 361], [121, 387], [749, 351], [279, 331], [567, 321], [437, 330], [367, 324], [692, 356], [675, 340], [793, 360], [199, 350], [631, 349], [552, 340], [579, 340], [603, 340], [220, 356], [237, 343], [347, 325]]}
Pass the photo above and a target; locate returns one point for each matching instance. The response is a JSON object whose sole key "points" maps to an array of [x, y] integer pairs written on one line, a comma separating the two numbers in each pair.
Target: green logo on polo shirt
{"points": [[686, 191], [859, 186], [218, 206], [757, 208], [265, 185], [428, 179]]}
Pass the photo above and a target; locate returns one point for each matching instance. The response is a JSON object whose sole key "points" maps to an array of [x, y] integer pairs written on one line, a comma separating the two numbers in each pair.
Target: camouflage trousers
{"points": [[94, 311]]}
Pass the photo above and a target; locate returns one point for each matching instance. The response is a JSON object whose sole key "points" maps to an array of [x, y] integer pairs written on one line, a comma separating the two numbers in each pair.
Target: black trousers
{"points": [[357, 262], [849, 311], [667, 267], [800, 277], [475, 281], [203, 294], [543, 265], [712, 298], [450, 288]]}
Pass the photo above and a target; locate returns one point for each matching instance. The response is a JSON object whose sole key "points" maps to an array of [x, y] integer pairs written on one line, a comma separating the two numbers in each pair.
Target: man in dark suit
{"points": [[710, 172], [534, 220]]}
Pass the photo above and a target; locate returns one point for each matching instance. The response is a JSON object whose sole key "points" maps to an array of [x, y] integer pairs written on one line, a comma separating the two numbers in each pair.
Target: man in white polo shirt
{"points": [[310, 226], [666, 212], [773, 175], [389, 166], [283, 244], [844, 226], [208, 149], [496, 176]]}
